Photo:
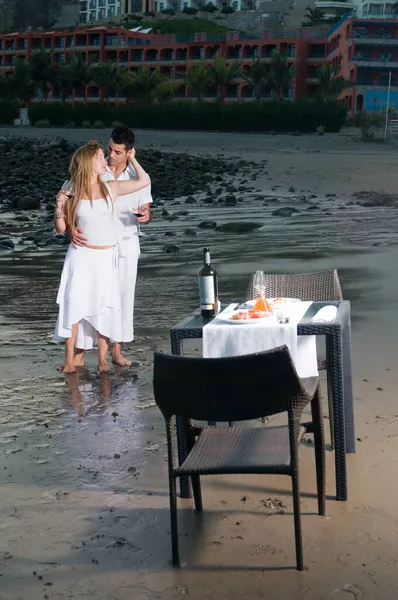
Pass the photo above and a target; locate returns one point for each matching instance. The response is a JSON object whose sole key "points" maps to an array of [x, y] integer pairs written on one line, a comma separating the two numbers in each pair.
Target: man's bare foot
{"points": [[103, 367], [118, 359], [79, 359], [67, 368]]}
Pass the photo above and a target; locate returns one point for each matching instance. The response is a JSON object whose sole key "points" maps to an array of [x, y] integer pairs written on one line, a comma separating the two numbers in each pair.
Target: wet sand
{"points": [[84, 511]]}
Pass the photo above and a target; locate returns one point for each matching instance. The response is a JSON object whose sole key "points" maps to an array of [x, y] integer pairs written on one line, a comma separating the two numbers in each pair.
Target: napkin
{"points": [[325, 314]]}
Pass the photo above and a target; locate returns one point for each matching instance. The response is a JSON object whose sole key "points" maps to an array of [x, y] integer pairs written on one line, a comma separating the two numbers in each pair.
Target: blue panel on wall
{"points": [[376, 100]]}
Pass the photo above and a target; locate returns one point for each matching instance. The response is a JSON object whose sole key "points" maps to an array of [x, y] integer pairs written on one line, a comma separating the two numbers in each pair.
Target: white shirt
{"points": [[126, 221]]}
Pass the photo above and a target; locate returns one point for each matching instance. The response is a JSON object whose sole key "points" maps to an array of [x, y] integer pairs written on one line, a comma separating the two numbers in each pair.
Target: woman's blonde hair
{"points": [[81, 173]]}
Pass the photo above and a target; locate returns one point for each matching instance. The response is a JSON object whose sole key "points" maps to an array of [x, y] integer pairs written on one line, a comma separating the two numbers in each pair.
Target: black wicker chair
{"points": [[238, 389], [319, 286]]}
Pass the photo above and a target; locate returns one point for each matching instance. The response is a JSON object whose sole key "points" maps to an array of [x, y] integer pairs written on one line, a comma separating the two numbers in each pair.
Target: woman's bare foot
{"points": [[118, 359], [79, 358], [67, 368], [103, 367]]}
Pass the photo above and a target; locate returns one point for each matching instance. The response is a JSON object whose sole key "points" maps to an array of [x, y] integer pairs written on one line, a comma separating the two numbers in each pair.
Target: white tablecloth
{"points": [[233, 339]]}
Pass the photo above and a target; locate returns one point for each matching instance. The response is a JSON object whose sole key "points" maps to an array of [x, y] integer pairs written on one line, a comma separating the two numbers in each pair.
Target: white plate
{"points": [[226, 317]]}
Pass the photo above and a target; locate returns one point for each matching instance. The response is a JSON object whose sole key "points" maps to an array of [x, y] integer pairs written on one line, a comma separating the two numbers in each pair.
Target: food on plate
{"points": [[248, 315], [262, 305], [279, 300]]}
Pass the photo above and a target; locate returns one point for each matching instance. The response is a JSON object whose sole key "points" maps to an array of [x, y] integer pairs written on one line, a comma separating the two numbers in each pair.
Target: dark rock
{"points": [[291, 189], [171, 249], [301, 198], [26, 203], [181, 213], [165, 213], [5, 248], [313, 207], [7, 242], [330, 195], [190, 200], [190, 232], [286, 211], [170, 233], [238, 227], [207, 225]]}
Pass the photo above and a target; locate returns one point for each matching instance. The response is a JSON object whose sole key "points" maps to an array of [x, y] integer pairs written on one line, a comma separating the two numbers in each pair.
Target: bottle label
{"points": [[207, 293]]}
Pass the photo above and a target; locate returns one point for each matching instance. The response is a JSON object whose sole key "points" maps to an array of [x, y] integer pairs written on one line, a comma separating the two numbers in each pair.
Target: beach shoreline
{"points": [[83, 459]]}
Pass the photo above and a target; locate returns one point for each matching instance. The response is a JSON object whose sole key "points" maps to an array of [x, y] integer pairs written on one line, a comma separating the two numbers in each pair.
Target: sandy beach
{"points": [[83, 473]]}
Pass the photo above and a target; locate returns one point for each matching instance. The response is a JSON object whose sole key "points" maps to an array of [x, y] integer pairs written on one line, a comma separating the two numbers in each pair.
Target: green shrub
{"points": [[209, 7], [149, 13], [42, 123], [190, 10], [168, 11], [116, 124], [320, 130], [227, 10], [8, 112], [301, 115], [71, 125], [99, 125]]}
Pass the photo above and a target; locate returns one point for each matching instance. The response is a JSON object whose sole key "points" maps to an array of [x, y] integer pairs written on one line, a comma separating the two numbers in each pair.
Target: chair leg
{"points": [[297, 520], [330, 402], [197, 492], [173, 521], [319, 446]]}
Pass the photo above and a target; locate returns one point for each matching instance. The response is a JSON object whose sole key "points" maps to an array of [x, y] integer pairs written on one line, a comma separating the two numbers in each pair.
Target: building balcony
{"points": [[376, 84], [381, 63], [312, 80], [375, 41], [317, 59], [333, 4]]}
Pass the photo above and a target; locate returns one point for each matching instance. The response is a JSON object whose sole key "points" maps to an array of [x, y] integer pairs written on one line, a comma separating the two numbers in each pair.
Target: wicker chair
{"points": [[238, 389], [318, 286]]}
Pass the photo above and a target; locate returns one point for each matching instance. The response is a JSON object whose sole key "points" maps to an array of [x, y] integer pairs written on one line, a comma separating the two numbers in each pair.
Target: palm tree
{"points": [[4, 87], [74, 74], [331, 82], [314, 16], [42, 70], [281, 73], [197, 80], [221, 73], [126, 86], [259, 76], [22, 88], [142, 84], [166, 90], [107, 79]]}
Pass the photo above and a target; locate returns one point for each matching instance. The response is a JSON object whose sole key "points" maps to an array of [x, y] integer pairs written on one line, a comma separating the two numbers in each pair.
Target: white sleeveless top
{"points": [[96, 219]]}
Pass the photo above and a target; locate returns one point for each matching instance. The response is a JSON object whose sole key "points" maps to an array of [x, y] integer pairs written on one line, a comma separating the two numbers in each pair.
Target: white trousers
{"points": [[128, 263]]}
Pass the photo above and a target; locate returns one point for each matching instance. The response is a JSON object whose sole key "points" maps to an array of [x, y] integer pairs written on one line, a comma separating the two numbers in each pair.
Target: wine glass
{"points": [[259, 284], [68, 188], [140, 211]]}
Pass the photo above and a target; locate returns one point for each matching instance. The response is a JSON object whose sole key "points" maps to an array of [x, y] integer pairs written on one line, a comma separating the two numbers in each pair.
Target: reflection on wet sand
{"points": [[86, 393]]}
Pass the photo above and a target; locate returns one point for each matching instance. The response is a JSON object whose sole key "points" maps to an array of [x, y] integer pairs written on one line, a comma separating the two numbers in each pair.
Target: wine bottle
{"points": [[208, 287]]}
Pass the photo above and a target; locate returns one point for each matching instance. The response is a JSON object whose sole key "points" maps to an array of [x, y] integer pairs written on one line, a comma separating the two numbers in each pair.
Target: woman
{"points": [[89, 289]]}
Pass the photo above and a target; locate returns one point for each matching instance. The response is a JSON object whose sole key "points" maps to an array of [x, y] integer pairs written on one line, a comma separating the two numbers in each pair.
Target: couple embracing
{"points": [[101, 211]]}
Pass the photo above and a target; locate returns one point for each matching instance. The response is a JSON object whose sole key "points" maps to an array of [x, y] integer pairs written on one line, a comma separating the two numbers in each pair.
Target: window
{"points": [[111, 11], [161, 5], [235, 5]]}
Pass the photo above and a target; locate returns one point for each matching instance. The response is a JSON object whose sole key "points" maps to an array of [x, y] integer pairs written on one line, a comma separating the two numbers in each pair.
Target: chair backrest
{"points": [[227, 389], [317, 286]]}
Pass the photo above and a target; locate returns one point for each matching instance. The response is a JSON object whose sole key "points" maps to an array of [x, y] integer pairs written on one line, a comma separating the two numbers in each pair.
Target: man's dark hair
{"points": [[123, 135]]}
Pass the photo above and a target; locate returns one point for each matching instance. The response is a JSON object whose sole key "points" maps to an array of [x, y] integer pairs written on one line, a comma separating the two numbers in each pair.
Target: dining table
{"points": [[337, 334]]}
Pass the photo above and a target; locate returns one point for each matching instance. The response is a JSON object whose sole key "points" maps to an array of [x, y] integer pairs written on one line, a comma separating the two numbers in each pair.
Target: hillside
{"points": [[180, 27]]}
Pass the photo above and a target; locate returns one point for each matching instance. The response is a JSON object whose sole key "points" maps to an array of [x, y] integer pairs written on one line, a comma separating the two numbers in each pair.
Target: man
{"points": [[119, 149]]}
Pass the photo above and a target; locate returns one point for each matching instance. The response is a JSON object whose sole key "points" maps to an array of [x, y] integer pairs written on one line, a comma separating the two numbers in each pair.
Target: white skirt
{"points": [[89, 293], [128, 261]]}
